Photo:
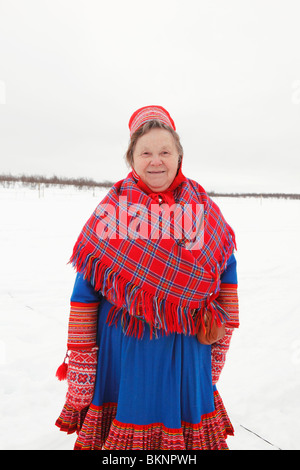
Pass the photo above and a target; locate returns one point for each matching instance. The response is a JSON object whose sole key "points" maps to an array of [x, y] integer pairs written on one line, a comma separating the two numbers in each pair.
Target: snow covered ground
{"points": [[260, 383]]}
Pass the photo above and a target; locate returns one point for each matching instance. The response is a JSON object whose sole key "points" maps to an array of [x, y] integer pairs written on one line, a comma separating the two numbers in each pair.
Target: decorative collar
{"points": [[166, 196]]}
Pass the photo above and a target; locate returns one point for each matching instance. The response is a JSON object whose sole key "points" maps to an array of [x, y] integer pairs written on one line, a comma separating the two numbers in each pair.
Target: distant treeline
{"points": [[265, 195], [33, 181]]}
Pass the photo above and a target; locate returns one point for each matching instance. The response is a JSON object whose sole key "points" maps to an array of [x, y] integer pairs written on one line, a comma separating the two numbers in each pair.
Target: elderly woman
{"points": [[153, 307]]}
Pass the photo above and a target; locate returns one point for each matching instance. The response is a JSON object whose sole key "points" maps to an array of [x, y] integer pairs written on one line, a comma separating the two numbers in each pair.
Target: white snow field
{"points": [[260, 383]]}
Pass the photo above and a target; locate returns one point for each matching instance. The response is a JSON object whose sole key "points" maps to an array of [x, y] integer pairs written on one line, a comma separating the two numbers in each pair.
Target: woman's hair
{"points": [[154, 124]]}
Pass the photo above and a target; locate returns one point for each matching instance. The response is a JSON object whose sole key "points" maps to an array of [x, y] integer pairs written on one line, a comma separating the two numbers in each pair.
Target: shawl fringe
{"points": [[136, 308]]}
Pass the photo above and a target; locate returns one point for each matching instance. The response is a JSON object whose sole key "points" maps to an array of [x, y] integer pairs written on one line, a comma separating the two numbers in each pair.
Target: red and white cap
{"points": [[148, 113]]}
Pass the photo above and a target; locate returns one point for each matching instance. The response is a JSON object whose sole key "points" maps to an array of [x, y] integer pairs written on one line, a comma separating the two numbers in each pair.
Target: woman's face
{"points": [[155, 159]]}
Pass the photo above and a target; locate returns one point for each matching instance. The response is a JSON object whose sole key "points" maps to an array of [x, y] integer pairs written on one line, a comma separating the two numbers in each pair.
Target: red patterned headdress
{"points": [[148, 113]]}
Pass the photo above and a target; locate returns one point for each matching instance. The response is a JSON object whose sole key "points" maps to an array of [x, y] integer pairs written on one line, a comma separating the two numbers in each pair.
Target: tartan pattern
{"points": [[161, 281]]}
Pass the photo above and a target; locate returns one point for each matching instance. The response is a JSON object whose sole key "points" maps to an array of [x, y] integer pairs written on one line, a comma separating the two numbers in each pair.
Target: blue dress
{"points": [[153, 393]]}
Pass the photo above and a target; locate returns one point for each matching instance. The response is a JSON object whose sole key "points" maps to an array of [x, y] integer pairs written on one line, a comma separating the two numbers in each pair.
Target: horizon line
{"points": [[90, 183]]}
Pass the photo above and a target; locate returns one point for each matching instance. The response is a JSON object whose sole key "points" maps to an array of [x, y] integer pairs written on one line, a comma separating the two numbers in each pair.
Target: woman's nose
{"points": [[155, 160]]}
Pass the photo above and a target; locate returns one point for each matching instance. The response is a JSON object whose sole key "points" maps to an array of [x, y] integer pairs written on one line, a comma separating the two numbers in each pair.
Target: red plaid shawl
{"points": [[161, 281]]}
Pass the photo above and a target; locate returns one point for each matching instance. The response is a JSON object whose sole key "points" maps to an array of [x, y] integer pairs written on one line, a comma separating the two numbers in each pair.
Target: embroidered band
{"points": [[82, 329], [149, 113]]}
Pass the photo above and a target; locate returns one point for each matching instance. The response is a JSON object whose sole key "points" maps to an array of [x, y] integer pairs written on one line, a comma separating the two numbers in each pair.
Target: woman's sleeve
{"points": [[84, 305], [228, 300], [80, 364]]}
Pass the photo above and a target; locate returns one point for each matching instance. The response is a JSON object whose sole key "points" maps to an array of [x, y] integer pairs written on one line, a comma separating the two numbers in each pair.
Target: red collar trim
{"points": [[179, 178]]}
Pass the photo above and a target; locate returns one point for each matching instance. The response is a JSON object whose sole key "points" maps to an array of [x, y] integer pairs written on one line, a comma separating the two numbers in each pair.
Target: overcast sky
{"points": [[228, 71]]}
